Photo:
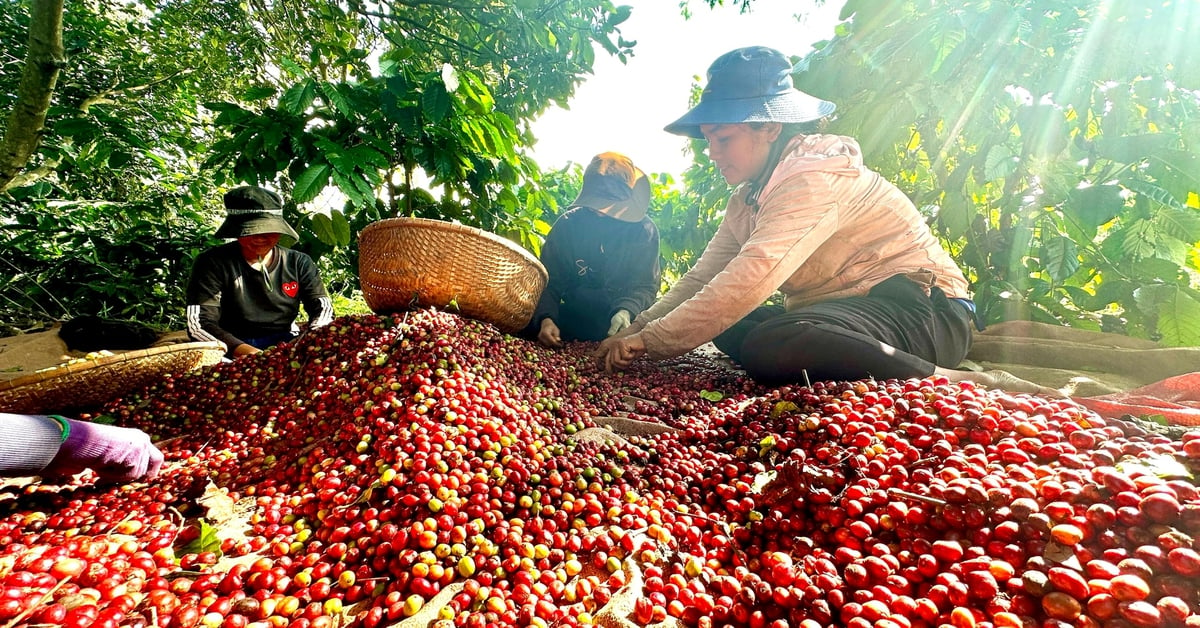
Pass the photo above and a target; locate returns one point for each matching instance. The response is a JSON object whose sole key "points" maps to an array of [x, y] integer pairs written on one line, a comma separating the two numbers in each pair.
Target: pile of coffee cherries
{"points": [[424, 469]]}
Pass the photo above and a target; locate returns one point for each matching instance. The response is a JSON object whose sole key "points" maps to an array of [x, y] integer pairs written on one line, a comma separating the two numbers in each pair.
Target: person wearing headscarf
{"points": [[247, 293], [868, 290], [601, 257]]}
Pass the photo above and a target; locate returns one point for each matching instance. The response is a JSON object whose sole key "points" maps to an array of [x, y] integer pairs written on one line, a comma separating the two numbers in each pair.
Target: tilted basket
{"points": [[90, 384], [418, 262]]}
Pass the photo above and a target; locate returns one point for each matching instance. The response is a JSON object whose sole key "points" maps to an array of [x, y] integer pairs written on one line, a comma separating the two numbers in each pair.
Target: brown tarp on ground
{"points": [[1113, 375]]}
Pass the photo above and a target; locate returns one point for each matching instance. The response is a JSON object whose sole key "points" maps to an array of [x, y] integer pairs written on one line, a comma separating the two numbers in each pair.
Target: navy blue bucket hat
{"points": [[750, 85], [251, 210], [614, 187]]}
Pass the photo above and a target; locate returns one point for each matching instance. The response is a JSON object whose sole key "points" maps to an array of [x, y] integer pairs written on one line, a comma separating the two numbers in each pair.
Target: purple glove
{"points": [[114, 453]]}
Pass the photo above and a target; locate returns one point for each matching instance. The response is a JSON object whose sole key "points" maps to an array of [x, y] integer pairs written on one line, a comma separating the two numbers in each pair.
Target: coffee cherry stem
{"points": [[915, 497], [46, 597]]}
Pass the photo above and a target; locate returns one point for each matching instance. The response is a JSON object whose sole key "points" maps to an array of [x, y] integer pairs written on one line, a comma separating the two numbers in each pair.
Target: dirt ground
{"points": [[25, 354], [28, 353]]}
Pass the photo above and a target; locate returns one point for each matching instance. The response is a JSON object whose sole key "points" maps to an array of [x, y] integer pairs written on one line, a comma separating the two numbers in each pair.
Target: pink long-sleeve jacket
{"points": [[826, 227]]}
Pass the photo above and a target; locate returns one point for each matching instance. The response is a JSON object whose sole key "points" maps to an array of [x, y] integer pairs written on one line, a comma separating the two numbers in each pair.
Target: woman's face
{"points": [[256, 246], [740, 151]]}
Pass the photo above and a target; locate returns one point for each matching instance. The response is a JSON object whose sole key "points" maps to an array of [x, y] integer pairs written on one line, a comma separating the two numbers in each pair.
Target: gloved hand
{"points": [[115, 453], [620, 321]]}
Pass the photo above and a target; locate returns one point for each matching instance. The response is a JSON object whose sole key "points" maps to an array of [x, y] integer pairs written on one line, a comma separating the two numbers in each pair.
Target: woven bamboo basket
{"points": [[419, 262], [92, 383]]}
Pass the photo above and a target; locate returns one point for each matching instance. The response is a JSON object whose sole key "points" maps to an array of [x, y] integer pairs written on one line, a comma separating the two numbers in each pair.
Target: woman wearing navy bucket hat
{"points": [[868, 290]]}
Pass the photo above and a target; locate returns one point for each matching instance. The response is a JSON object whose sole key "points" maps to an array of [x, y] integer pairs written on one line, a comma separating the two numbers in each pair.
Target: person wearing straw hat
{"points": [[247, 294], [868, 289], [54, 446], [601, 257]]}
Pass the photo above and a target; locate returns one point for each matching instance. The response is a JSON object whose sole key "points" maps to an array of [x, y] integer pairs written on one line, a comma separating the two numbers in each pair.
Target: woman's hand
{"points": [[618, 352], [116, 454], [245, 349], [549, 334]]}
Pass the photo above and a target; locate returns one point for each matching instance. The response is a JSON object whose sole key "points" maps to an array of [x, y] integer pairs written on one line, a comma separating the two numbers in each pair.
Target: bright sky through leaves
{"points": [[625, 107]]}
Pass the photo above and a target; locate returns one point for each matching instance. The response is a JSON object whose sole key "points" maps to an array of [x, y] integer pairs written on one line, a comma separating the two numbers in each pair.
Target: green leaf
{"points": [[949, 49], [783, 406], [234, 117], [1179, 320], [335, 94], [1001, 162], [70, 127], [207, 541], [711, 395], [1060, 257], [1128, 149], [1182, 171], [354, 188], [291, 66], [391, 62], [366, 158], [1153, 192], [311, 182], [119, 159], [297, 99], [1171, 249], [1183, 224], [1155, 465], [956, 213], [323, 228], [766, 445], [474, 94], [341, 228], [621, 14], [1095, 205], [260, 92], [435, 102], [1139, 240]]}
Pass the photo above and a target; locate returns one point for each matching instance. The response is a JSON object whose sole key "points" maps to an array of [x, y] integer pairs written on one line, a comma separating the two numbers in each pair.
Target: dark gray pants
{"points": [[895, 331]]}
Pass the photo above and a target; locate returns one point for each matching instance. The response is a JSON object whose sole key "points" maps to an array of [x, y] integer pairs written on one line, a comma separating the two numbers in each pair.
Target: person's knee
{"points": [[729, 343], [772, 353]]}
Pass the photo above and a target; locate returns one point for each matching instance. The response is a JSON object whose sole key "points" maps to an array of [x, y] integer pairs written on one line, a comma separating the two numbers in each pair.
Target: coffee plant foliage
{"points": [[436, 127], [116, 260], [1052, 145], [1059, 170], [355, 114]]}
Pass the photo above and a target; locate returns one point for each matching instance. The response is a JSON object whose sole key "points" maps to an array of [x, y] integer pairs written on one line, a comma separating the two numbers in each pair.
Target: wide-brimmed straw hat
{"points": [[251, 210], [614, 187], [750, 85]]}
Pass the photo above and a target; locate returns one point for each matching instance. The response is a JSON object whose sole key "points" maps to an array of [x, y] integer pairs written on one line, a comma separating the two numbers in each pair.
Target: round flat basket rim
{"points": [[458, 228], [125, 356], [44, 391]]}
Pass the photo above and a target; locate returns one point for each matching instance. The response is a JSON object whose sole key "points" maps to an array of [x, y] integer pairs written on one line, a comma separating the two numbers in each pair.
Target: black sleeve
{"points": [[317, 303], [644, 275], [554, 258], [204, 304]]}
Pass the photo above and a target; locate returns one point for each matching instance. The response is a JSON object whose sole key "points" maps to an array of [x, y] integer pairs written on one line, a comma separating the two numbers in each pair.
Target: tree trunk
{"points": [[43, 61]]}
